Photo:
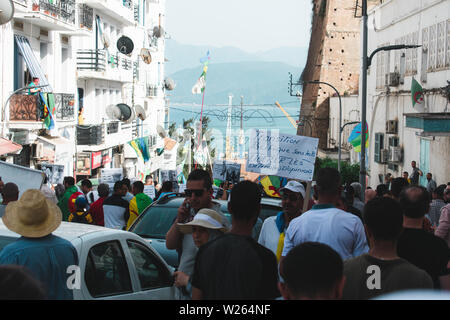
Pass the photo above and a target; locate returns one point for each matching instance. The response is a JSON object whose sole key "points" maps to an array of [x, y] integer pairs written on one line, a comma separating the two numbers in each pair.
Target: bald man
{"points": [[369, 194]]}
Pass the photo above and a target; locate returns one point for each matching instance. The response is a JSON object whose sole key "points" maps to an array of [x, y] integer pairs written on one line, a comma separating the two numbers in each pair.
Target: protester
{"points": [[416, 172], [343, 203], [431, 184], [81, 214], [383, 221], [86, 187], [63, 203], [387, 180], [59, 191], [443, 230], [436, 205], [149, 180], [353, 201], [397, 185], [382, 190], [342, 231], [357, 202], [419, 247], [235, 266], [96, 208], [129, 195], [273, 229], [406, 177], [10, 193], [167, 188], [312, 271], [206, 226], [138, 203], [44, 254], [17, 283], [115, 209], [369, 194], [198, 196], [47, 191]]}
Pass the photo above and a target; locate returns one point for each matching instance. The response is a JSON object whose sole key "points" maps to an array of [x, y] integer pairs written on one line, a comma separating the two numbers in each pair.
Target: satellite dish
{"points": [[106, 41], [158, 32], [161, 132], [146, 56], [113, 112], [6, 11], [127, 113], [140, 112], [169, 84], [125, 45]]}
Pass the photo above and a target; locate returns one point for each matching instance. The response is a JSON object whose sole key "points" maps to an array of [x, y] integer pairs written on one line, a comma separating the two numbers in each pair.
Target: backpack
{"points": [[82, 217]]}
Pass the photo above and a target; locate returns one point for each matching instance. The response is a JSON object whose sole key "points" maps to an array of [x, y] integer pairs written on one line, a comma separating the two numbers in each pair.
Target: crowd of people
{"points": [[344, 246]]}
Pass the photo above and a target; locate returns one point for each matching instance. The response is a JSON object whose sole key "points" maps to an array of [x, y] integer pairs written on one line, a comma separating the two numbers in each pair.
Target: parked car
{"points": [[155, 221], [114, 264]]}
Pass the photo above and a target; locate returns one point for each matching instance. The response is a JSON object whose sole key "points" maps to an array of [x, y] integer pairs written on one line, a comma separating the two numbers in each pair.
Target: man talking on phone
{"points": [[198, 193]]}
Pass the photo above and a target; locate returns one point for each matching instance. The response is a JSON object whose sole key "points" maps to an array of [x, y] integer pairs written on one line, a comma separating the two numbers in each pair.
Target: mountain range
{"points": [[260, 77]]}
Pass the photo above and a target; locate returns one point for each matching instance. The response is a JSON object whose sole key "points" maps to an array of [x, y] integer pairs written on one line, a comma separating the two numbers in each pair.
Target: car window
{"points": [[106, 270], [152, 273], [4, 241], [155, 222], [268, 211]]}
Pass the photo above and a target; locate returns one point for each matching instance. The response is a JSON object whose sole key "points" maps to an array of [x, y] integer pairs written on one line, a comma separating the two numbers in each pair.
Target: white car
{"points": [[114, 264]]}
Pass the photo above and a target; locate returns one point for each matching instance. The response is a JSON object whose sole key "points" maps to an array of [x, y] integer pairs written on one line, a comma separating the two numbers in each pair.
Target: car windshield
{"points": [[155, 222]]}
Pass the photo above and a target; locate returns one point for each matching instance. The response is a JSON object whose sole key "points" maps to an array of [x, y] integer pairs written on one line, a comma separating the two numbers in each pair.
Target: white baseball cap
{"points": [[296, 187]]}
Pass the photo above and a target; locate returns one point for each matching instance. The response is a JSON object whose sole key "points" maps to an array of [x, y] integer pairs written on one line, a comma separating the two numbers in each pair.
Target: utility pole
{"points": [[241, 133], [228, 137], [362, 165]]}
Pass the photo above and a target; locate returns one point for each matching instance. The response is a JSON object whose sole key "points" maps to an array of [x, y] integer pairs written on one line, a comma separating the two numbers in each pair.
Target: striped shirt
{"points": [[116, 212]]}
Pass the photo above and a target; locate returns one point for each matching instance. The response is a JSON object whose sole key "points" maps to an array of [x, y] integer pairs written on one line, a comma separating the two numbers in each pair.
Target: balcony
{"points": [[120, 10], [98, 64], [103, 136], [26, 111], [51, 15], [152, 90]]}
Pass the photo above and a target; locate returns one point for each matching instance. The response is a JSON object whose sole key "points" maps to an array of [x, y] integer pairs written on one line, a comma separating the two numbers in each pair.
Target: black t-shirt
{"points": [[426, 251], [236, 267]]}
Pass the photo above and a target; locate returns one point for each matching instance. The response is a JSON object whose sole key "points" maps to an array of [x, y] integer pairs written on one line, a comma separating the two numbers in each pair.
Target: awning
{"points": [[32, 62], [7, 146], [431, 124]]}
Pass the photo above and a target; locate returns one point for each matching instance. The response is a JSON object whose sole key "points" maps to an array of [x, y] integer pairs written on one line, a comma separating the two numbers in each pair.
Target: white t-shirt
{"points": [[269, 235]]}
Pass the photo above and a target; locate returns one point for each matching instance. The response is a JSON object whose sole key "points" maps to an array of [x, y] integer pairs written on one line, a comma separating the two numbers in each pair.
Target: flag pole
{"points": [[201, 119]]}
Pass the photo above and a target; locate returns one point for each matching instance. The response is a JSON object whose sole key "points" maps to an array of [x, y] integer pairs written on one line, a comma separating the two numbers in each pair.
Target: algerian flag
{"points": [[416, 93], [200, 85]]}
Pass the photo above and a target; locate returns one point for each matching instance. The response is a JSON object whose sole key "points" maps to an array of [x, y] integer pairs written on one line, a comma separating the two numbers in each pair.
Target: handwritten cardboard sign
{"points": [[283, 155]]}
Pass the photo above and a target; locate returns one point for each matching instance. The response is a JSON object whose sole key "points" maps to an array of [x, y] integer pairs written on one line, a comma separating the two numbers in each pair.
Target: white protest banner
{"points": [[150, 191], [110, 176], [283, 155]]}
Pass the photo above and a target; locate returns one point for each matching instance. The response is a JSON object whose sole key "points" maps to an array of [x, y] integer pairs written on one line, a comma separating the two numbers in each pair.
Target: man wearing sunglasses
{"points": [[274, 228], [198, 193]]}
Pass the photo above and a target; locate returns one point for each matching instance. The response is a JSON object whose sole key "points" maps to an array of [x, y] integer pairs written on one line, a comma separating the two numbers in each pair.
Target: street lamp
{"points": [[366, 62], [340, 119]]}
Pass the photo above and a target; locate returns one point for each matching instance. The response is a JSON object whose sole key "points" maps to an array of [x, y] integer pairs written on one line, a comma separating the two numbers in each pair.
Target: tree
{"points": [[349, 172]]}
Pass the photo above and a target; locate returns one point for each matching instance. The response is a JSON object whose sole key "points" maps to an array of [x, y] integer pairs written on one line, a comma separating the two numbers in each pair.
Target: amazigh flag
{"points": [[48, 101], [355, 137], [200, 85], [134, 144], [416, 93], [272, 185]]}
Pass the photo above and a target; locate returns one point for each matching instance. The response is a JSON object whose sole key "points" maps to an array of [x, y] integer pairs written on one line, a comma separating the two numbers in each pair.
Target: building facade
{"points": [[104, 99], [400, 132]]}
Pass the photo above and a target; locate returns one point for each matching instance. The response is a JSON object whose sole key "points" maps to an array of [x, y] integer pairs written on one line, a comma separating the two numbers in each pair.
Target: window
{"points": [[440, 49], [152, 273], [382, 67], [106, 270], [379, 145], [424, 67], [447, 54], [432, 48]]}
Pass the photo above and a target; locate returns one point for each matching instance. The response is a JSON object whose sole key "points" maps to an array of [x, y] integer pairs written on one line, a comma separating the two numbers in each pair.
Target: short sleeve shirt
{"points": [[236, 267]]}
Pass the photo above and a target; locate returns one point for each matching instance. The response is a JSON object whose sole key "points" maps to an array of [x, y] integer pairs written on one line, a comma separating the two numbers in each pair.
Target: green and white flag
{"points": [[199, 86], [416, 93]]}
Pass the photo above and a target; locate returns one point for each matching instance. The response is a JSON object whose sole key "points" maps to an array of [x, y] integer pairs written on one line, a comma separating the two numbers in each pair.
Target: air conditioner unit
{"points": [[384, 155], [392, 79], [395, 154], [392, 126]]}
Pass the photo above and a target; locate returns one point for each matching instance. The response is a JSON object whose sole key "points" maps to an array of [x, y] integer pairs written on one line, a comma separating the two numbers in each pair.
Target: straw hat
{"points": [[206, 218], [32, 216]]}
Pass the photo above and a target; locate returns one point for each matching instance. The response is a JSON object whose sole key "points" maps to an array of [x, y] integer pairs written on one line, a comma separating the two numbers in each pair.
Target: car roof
{"points": [[176, 201], [67, 230]]}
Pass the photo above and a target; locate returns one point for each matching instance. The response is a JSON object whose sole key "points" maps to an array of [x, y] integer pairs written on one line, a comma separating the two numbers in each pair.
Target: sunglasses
{"points": [[197, 192], [290, 196]]}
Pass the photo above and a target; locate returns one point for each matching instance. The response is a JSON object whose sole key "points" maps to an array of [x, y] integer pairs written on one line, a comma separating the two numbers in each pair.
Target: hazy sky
{"points": [[251, 25]]}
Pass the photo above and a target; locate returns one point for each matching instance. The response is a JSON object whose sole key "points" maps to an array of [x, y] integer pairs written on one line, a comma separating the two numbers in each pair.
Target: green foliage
{"points": [[349, 172]]}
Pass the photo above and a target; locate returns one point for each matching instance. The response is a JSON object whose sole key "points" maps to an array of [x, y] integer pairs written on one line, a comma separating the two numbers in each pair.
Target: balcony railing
{"points": [[64, 9], [136, 70], [24, 107], [85, 17], [152, 91], [126, 64], [91, 60], [90, 135]]}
